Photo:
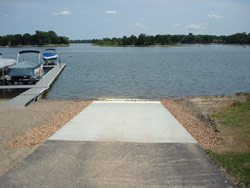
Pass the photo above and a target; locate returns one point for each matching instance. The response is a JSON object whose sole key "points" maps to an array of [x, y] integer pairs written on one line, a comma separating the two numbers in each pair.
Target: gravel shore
{"points": [[194, 114], [28, 127], [22, 130], [203, 132]]}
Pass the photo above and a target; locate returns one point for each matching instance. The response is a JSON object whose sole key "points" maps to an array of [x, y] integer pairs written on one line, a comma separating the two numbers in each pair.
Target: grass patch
{"points": [[236, 164], [247, 94], [236, 116], [233, 153]]}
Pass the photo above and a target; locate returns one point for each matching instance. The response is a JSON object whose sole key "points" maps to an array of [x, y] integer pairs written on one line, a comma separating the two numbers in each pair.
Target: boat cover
{"points": [[49, 55], [7, 63], [25, 68]]}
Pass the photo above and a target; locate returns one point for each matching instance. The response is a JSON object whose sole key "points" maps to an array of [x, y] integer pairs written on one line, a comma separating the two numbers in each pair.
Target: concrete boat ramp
{"points": [[118, 144], [34, 91], [125, 121]]}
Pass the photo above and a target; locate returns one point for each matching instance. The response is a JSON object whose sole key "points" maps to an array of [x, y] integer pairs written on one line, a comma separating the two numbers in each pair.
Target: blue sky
{"points": [[87, 19]]}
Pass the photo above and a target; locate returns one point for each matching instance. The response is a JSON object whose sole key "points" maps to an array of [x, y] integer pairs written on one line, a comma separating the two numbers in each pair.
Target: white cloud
{"points": [[176, 25], [196, 26], [111, 12], [40, 24], [62, 13], [5, 15], [139, 25], [213, 15]]}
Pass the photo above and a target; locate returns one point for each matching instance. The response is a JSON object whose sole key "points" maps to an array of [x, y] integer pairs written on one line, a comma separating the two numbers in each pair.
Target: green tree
{"points": [[141, 41], [132, 40], [52, 37], [63, 40], [175, 39], [27, 39], [5, 41], [248, 38], [125, 40], [41, 38], [189, 38]]}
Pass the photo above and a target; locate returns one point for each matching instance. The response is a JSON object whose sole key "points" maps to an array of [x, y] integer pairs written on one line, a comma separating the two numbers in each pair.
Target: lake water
{"points": [[149, 72]]}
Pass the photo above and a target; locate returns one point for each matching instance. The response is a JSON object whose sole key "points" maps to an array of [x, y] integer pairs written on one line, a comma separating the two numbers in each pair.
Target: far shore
{"points": [[109, 45], [167, 45], [45, 45]]}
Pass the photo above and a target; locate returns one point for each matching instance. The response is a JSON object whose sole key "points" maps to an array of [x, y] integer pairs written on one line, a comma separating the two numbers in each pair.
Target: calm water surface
{"points": [[149, 72]]}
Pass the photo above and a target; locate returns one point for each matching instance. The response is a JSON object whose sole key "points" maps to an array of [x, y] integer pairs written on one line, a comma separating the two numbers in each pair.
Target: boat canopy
{"points": [[29, 51], [25, 68], [52, 49]]}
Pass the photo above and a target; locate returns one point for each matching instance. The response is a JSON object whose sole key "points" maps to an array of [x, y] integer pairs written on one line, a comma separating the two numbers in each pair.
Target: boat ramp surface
{"points": [[118, 144], [126, 121], [34, 91]]}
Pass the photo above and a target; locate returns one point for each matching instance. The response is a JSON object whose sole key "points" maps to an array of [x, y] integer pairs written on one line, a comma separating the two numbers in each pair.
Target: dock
{"points": [[34, 91]]}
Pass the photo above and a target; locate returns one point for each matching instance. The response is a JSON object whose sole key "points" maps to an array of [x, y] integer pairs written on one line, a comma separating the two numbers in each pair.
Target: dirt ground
{"points": [[203, 106], [194, 113], [19, 122]]}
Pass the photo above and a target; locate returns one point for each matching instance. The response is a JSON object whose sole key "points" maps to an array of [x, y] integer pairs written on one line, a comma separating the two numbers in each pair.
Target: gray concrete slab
{"points": [[125, 121], [115, 164]]}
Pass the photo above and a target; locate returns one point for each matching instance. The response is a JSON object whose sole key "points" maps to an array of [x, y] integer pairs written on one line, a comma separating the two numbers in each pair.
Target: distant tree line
{"points": [[146, 40], [39, 38], [83, 41]]}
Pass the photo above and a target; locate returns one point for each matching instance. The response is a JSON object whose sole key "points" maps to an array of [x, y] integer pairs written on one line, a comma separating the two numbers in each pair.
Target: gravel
{"points": [[203, 132], [40, 134]]}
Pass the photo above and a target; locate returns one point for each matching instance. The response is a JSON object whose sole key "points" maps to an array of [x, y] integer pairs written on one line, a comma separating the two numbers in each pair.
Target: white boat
{"points": [[50, 57], [5, 65], [26, 72]]}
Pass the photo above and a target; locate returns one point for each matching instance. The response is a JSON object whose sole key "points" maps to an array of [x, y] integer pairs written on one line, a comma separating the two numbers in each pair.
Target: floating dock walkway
{"points": [[34, 91]]}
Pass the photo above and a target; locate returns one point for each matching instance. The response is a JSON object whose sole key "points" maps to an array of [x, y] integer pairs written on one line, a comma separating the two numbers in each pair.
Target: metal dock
{"points": [[34, 91]]}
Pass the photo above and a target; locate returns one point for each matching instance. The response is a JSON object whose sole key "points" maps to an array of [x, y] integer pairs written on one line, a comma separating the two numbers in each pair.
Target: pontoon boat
{"points": [[26, 72], [5, 65]]}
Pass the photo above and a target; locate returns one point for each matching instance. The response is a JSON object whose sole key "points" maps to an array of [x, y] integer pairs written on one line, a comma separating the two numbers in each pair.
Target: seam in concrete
{"points": [[123, 122], [128, 102]]}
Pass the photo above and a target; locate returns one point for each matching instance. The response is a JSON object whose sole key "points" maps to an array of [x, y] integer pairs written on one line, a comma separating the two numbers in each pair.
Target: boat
{"points": [[5, 65], [26, 72], [50, 57]]}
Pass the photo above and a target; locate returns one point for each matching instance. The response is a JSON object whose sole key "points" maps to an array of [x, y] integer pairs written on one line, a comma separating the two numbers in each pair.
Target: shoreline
{"points": [[23, 130], [169, 45]]}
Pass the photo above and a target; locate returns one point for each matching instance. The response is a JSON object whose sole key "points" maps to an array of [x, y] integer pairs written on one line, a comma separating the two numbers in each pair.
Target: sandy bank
{"points": [[20, 122], [194, 114]]}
